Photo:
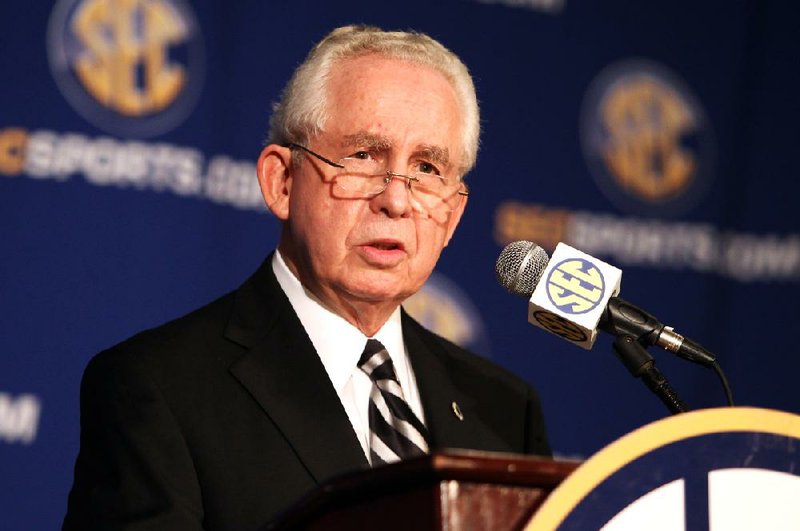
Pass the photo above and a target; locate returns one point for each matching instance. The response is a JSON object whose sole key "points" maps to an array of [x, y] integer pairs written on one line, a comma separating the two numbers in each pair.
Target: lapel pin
{"points": [[457, 411]]}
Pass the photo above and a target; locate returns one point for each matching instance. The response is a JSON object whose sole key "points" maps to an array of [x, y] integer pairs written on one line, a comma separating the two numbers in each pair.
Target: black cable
{"points": [[724, 380]]}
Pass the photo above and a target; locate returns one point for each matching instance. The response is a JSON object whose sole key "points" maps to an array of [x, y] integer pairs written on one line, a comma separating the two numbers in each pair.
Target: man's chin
{"points": [[378, 294], [372, 286], [379, 290]]}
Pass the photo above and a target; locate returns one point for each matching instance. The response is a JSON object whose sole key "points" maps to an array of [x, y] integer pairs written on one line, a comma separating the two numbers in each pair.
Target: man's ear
{"points": [[455, 217], [274, 178]]}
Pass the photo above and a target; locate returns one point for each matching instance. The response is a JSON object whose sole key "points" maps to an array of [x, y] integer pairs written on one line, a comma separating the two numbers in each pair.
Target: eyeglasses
{"points": [[362, 176]]}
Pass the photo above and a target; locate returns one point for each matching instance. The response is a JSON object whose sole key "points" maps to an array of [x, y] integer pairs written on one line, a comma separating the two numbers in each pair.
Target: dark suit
{"points": [[226, 416]]}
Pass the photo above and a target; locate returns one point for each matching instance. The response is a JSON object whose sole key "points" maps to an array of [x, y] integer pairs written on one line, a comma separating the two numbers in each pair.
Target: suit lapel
{"points": [[439, 392], [284, 374]]}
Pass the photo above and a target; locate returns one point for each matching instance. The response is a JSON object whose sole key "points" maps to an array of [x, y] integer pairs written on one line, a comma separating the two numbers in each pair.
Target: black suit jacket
{"points": [[223, 418]]}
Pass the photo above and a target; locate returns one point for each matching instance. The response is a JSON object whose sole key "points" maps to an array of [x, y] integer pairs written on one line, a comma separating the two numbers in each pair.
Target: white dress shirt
{"points": [[339, 345]]}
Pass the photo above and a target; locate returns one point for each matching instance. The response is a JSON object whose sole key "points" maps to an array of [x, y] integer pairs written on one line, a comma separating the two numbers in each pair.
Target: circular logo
{"points": [[725, 468], [560, 326], [130, 67], [575, 286], [441, 306], [646, 139]]}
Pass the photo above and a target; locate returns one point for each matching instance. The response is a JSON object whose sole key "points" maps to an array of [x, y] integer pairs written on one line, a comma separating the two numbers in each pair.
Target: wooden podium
{"points": [[453, 490]]}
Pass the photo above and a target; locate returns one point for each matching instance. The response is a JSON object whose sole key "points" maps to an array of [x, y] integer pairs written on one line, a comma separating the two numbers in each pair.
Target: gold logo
{"points": [[646, 139], [123, 38], [12, 150], [646, 121], [442, 307], [132, 67]]}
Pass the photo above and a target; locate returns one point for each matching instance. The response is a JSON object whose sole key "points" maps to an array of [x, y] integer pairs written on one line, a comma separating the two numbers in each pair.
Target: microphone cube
{"points": [[572, 295]]}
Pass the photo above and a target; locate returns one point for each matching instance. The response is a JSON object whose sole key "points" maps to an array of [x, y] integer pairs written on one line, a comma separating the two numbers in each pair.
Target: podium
{"points": [[724, 469], [455, 490]]}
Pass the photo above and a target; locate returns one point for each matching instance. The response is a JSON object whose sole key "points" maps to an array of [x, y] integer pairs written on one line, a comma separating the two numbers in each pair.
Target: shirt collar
{"points": [[338, 343]]}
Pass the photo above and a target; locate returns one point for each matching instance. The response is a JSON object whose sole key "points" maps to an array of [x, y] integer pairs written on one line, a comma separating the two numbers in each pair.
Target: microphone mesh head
{"points": [[520, 266]]}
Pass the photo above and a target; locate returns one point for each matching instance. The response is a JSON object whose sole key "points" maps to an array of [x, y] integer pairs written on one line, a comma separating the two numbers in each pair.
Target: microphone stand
{"points": [[635, 329], [642, 365]]}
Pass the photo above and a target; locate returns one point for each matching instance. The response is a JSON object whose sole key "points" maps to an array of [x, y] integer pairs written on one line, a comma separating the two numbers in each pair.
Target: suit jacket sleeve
{"points": [[134, 466]]}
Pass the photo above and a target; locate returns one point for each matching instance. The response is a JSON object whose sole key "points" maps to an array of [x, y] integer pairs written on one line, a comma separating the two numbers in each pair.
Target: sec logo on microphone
{"points": [[575, 286], [560, 326]]}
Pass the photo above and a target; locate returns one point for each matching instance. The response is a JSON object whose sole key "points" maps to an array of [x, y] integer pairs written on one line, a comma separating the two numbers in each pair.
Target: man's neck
{"points": [[368, 316]]}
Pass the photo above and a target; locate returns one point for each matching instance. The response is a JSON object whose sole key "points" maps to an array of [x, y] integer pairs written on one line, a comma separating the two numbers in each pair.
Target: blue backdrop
{"points": [[658, 136]]}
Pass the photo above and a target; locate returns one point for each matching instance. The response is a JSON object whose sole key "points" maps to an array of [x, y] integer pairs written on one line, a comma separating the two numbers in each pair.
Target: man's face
{"points": [[350, 251]]}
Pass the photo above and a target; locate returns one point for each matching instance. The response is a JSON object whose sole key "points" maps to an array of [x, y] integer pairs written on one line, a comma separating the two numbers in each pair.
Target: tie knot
{"points": [[375, 361]]}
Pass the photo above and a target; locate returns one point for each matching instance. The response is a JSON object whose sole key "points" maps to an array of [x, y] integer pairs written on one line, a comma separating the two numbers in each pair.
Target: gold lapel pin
{"points": [[457, 411]]}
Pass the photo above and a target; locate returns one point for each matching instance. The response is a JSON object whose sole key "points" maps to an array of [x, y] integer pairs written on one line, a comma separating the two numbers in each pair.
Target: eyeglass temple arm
{"points": [[292, 145]]}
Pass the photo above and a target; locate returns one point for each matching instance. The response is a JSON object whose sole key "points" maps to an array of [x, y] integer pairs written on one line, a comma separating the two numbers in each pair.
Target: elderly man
{"points": [[221, 419]]}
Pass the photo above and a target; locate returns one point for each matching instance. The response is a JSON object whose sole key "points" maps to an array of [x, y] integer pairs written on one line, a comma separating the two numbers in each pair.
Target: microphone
{"points": [[574, 294]]}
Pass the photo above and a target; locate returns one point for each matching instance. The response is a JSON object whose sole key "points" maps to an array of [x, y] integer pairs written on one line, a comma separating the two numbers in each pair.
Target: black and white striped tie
{"points": [[395, 431]]}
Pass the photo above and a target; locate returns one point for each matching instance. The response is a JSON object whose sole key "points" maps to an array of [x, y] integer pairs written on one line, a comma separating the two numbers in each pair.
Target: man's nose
{"points": [[395, 200]]}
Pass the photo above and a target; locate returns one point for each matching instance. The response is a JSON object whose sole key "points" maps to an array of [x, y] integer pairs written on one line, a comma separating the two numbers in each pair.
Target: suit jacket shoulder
{"points": [[217, 420]]}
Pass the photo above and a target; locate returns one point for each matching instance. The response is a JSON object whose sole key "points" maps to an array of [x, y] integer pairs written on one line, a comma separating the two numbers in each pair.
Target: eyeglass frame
{"points": [[387, 179]]}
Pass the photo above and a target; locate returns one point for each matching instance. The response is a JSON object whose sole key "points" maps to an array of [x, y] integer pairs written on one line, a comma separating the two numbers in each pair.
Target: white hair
{"points": [[301, 112]]}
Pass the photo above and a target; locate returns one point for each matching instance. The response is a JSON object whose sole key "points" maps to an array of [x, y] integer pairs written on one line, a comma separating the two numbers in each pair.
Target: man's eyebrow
{"points": [[431, 152], [438, 154], [365, 139]]}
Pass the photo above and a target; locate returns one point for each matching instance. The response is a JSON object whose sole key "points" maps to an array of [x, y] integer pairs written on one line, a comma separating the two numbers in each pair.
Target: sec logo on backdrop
{"points": [[130, 67], [646, 139], [442, 306]]}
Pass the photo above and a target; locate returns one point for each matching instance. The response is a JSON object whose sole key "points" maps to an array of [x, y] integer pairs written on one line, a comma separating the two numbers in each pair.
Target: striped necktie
{"points": [[395, 431]]}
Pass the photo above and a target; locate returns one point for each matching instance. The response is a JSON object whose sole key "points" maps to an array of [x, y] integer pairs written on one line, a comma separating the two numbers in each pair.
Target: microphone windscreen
{"points": [[520, 266]]}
